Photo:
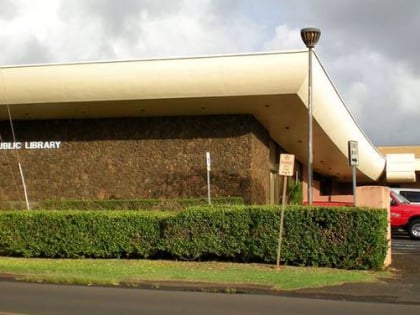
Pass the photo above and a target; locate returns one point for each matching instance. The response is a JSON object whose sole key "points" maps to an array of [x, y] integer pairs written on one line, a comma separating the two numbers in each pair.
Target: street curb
{"points": [[199, 286], [323, 293]]}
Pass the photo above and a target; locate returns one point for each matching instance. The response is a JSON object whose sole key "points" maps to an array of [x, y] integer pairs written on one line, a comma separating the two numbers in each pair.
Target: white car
{"points": [[412, 194]]}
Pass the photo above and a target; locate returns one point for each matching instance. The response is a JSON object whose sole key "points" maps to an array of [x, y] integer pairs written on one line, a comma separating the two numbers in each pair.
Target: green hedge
{"points": [[332, 237], [348, 238], [120, 204], [72, 234], [204, 233]]}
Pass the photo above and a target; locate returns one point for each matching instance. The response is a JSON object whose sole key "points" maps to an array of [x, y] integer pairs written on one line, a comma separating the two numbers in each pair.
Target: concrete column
{"points": [[376, 197]]}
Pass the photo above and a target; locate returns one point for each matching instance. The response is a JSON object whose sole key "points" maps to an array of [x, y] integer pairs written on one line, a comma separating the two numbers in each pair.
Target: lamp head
{"points": [[310, 36]]}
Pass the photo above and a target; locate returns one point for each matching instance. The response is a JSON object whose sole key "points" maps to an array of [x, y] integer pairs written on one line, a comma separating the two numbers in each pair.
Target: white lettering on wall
{"points": [[30, 145]]}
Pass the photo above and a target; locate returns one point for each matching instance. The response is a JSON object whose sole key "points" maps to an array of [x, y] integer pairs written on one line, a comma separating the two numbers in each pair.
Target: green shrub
{"points": [[206, 232], [120, 204], [73, 234], [294, 192], [349, 238], [336, 237]]}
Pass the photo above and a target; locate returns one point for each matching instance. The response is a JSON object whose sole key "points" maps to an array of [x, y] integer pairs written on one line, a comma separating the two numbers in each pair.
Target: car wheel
{"points": [[414, 229]]}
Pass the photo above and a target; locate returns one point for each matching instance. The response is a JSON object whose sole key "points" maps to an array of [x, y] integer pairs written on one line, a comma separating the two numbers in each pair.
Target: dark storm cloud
{"points": [[382, 25], [388, 26], [393, 128], [369, 48]]}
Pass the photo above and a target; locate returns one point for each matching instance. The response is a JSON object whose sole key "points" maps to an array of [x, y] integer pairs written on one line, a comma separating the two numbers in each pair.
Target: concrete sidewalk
{"points": [[405, 288]]}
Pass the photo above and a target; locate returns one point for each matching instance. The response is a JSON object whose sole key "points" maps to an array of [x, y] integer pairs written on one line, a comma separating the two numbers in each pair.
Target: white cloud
{"points": [[59, 31], [285, 38], [29, 28], [35, 18], [192, 33]]}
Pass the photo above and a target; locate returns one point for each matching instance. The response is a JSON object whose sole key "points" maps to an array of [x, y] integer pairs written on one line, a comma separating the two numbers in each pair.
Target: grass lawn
{"points": [[132, 272]]}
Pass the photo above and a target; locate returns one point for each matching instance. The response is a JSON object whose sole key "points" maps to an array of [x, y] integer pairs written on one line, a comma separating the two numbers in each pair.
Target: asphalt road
{"points": [[42, 299]]}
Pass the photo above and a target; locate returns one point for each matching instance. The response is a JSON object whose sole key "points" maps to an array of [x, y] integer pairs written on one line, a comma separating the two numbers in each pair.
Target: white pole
{"points": [[283, 202], [17, 158], [208, 161], [24, 187]]}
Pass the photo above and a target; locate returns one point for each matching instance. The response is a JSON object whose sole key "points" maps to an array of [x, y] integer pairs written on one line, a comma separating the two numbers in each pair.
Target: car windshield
{"points": [[400, 198]]}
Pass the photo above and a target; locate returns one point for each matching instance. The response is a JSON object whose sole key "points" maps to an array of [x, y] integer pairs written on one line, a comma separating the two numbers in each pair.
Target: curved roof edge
{"points": [[334, 117], [268, 85], [232, 75]]}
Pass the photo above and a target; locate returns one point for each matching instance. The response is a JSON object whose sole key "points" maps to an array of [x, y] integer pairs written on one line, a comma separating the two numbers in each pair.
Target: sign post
{"points": [[208, 162], [353, 148], [286, 166]]}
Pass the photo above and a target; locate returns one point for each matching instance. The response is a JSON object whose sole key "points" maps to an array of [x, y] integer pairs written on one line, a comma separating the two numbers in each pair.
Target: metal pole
{"points": [[283, 202], [310, 152], [353, 157], [353, 173]]}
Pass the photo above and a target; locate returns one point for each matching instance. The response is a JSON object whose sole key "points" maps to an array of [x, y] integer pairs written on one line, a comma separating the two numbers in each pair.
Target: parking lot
{"points": [[403, 287], [405, 256], [404, 246]]}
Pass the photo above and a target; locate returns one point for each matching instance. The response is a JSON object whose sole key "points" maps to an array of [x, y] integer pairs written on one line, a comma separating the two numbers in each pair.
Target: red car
{"points": [[405, 215]]}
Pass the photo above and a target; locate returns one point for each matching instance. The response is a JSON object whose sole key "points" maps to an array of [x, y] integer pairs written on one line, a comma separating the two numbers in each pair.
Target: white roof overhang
{"points": [[401, 168], [271, 86]]}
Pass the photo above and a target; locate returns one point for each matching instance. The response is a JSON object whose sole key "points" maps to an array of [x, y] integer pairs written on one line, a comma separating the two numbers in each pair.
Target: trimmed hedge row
{"points": [[120, 204], [332, 237], [71, 234]]}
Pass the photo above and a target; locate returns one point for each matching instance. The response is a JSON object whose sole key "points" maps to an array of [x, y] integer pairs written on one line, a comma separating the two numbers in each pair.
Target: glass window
{"points": [[413, 196], [401, 199]]}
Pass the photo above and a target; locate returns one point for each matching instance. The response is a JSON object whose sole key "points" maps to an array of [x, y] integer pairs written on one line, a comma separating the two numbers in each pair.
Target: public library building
{"points": [[141, 129]]}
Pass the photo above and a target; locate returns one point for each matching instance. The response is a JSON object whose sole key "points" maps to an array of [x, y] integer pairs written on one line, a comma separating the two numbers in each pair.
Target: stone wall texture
{"points": [[132, 158]]}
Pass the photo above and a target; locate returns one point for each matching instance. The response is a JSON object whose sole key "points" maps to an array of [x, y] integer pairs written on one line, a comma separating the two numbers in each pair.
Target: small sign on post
{"points": [[353, 147], [208, 161], [287, 162], [286, 166]]}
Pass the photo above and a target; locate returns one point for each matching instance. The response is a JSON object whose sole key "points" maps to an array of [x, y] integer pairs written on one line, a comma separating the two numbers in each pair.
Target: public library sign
{"points": [[30, 145]]}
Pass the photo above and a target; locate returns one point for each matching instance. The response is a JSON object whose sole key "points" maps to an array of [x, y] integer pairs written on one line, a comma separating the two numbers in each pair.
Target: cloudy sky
{"points": [[370, 48]]}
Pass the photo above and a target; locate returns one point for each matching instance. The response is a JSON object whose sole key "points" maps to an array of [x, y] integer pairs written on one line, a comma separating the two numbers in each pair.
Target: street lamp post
{"points": [[310, 37]]}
